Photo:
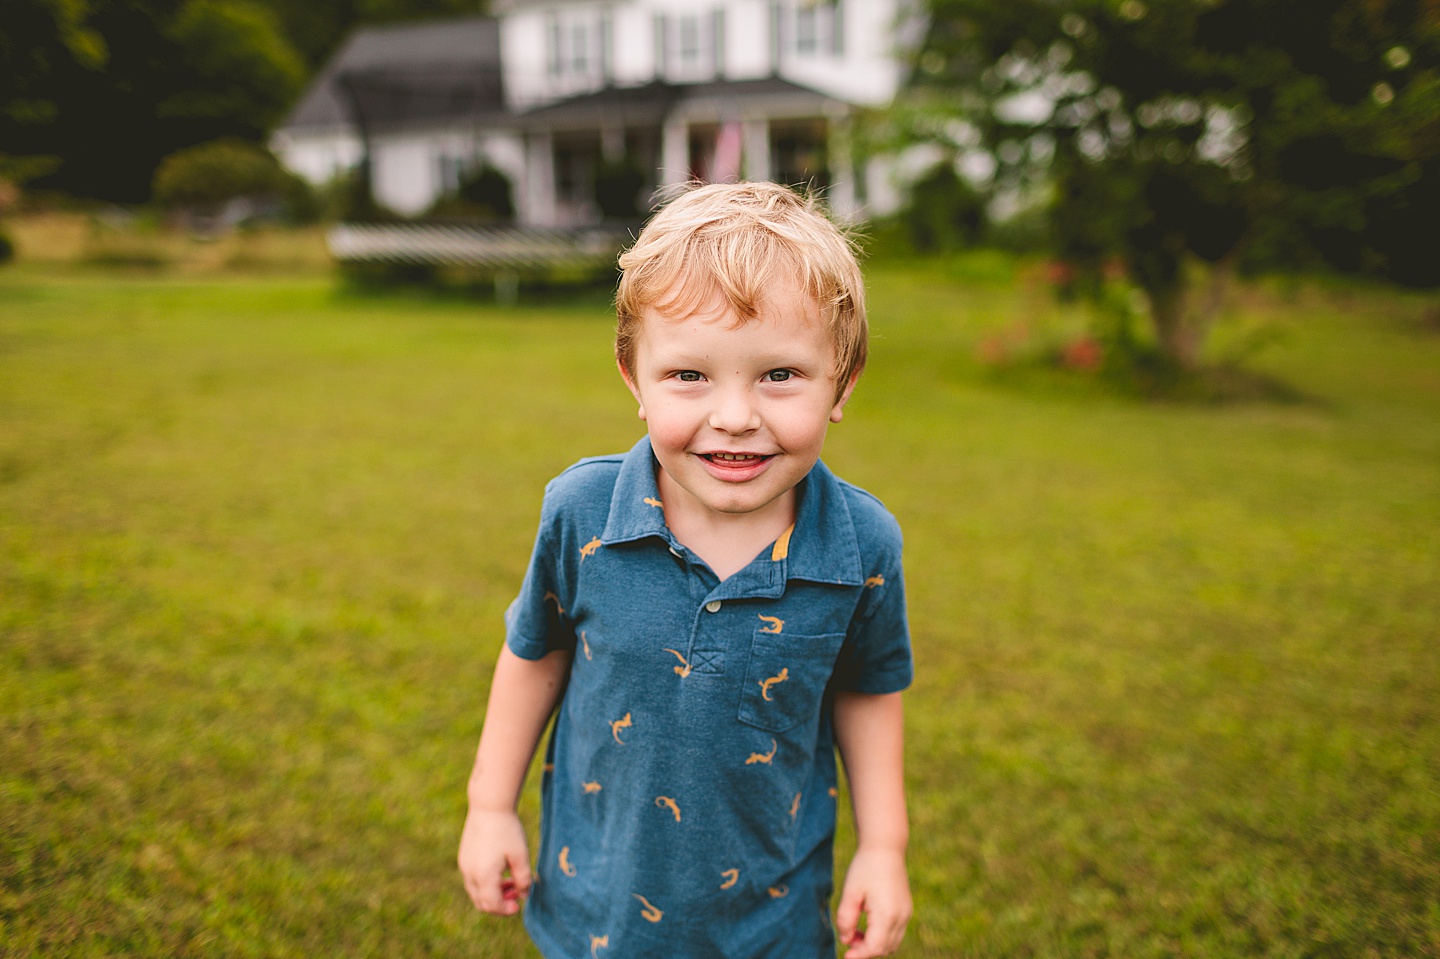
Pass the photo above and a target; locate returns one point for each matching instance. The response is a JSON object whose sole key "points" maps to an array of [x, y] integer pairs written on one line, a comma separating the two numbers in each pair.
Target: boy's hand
{"points": [[491, 844], [876, 885]]}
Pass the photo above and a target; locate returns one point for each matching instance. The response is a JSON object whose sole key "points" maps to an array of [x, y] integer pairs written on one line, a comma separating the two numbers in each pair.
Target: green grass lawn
{"points": [[1178, 682]]}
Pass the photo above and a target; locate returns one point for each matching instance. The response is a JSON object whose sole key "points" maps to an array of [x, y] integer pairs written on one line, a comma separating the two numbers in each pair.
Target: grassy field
{"points": [[1179, 678]]}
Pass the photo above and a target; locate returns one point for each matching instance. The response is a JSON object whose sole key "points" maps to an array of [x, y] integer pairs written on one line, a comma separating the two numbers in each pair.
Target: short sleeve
{"points": [[876, 657], [535, 622]]}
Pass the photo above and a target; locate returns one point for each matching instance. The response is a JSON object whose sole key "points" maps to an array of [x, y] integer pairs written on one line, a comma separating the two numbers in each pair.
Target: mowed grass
{"points": [[1178, 683]]}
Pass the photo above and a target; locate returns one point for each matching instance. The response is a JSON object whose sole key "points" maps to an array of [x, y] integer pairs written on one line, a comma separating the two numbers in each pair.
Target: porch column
{"points": [[674, 153], [612, 143], [539, 193], [756, 134], [840, 146]]}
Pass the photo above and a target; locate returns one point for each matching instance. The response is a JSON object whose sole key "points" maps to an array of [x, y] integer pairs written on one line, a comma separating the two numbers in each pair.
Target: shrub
{"points": [[204, 178], [484, 193], [300, 201], [7, 248], [617, 190], [945, 212]]}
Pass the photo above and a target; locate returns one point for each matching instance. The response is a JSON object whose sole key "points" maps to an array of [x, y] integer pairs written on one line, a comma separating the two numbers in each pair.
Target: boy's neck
{"points": [[727, 542]]}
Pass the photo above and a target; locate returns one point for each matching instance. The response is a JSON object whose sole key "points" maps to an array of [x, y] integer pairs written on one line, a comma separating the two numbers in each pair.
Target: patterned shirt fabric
{"points": [[688, 802]]}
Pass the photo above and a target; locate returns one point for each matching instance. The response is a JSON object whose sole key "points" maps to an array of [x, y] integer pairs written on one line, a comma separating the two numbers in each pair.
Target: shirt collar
{"points": [[822, 546]]}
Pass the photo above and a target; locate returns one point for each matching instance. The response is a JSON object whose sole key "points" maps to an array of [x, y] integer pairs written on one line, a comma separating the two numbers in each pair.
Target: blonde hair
{"points": [[737, 241]]}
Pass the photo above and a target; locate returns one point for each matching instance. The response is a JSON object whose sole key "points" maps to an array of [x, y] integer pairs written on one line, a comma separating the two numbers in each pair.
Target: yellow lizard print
{"points": [[559, 610], [549, 767], [776, 624], [732, 876], [667, 801], [618, 725], [765, 684], [763, 757], [591, 788], [683, 669], [834, 793], [585, 645], [649, 912], [876, 580], [589, 548], [652, 501], [565, 866], [598, 942], [778, 892], [795, 806]]}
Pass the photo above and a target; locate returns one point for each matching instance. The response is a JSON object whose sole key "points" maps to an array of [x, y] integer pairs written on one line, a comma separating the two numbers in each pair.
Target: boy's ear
{"points": [[838, 412], [630, 385]]}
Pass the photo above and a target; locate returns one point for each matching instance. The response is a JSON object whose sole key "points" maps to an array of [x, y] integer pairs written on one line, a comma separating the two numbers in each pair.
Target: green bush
{"points": [[206, 177], [484, 194], [945, 212], [347, 196], [617, 190], [300, 201], [7, 248]]}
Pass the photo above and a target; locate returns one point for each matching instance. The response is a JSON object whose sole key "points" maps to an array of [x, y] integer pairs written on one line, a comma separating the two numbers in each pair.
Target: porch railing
{"points": [[501, 248]]}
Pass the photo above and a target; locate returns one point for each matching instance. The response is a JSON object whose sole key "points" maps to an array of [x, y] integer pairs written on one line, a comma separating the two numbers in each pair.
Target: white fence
{"points": [[502, 248]]}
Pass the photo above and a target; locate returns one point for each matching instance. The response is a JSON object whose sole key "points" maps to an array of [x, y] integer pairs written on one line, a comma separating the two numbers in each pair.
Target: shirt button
{"points": [[675, 552], [713, 606]]}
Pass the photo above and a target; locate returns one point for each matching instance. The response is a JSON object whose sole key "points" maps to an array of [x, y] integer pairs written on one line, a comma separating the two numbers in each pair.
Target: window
{"points": [[552, 47], [819, 28], [579, 48], [572, 45], [448, 170], [806, 29], [689, 46]]}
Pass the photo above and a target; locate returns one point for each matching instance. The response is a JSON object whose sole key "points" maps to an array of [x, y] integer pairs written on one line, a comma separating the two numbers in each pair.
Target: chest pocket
{"points": [[786, 678]]}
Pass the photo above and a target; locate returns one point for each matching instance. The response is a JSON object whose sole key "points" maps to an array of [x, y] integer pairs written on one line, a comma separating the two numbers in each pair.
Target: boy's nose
{"points": [[735, 413]]}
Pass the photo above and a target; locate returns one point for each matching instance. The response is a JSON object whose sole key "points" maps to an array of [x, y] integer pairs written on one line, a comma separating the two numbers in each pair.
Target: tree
{"points": [[39, 40], [36, 38], [317, 27], [1183, 135], [242, 71], [149, 77]]}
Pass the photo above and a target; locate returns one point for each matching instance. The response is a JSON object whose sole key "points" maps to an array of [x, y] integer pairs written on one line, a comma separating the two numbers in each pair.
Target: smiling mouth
{"points": [[735, 459]]}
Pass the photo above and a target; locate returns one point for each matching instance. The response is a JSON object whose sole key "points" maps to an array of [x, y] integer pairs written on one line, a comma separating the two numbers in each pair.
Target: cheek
{"points": [[668, 429], [801, 429]]}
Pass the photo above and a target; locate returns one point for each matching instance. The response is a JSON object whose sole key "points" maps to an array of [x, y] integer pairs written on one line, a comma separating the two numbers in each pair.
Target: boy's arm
{"points": [[522, 696], [869, 730]]}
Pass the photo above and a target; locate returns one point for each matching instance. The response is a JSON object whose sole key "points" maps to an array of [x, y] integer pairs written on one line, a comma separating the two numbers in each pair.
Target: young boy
{"points": [[714, 612]]}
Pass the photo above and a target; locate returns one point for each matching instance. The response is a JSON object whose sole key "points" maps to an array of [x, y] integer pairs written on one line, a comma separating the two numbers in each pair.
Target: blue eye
{"points": [[688, 376], [778, 376]]}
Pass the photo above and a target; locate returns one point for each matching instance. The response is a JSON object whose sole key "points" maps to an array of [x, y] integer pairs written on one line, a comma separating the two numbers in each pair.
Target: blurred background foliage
{"points": [[1187, 139], [97, 93]]}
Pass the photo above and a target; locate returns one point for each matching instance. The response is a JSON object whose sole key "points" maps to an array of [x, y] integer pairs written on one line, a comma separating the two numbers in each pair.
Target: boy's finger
{"points": [[847, 919], [487, 896], [472, 889], [883, 934], [864, 947], [490, 895], [520, 874]]}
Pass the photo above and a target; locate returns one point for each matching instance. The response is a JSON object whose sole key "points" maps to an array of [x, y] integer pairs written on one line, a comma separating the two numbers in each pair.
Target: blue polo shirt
{"points": [[688, 805]]}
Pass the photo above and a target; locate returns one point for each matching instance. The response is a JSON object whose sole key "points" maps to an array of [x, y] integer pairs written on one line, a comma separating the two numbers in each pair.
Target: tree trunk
{"points": [[1184, 309]]}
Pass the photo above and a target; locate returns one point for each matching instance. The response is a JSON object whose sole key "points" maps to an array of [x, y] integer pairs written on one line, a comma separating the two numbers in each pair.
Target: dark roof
{"points": [[631, 106], [408, 72], [651, 103]]}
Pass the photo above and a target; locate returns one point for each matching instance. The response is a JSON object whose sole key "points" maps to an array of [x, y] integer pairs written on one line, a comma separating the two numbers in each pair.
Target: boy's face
{"points": [[737, 412]]}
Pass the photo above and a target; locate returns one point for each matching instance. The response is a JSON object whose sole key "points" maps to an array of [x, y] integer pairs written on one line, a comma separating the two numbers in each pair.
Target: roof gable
{"points": [[405, 72]]}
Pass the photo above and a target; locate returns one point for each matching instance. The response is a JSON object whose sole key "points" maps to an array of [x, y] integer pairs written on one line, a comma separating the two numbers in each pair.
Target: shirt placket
{"points": [[714, 616]]}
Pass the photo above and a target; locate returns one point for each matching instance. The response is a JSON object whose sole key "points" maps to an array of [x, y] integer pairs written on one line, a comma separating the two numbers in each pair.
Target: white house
{"points": [[574, 99]]}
